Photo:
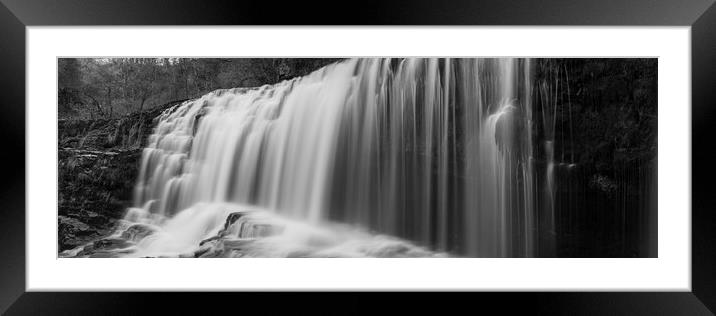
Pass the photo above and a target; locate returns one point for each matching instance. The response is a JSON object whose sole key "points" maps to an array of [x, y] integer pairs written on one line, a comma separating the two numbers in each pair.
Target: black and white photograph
{"points": [[368, 157], [530, 157]]}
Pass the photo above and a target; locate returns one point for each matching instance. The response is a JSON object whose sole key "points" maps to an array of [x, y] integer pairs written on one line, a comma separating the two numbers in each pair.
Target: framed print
{"points": [[561, 160]]}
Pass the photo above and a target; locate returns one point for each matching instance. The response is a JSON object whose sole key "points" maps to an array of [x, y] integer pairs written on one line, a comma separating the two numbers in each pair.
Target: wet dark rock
{"points": [[251, 228], [202, 250], [103, 254], [98, 162], [232, 218], [125, 132], [231, 241], [73, 233], [94, 189], [237, 244], [137, 232], [71, 225], [214, 250], [86, 251], [210, 239], [111, 244]]}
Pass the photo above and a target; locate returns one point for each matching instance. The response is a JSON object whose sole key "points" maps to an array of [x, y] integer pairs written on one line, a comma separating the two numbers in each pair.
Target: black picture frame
{"points": [[15, 15]]}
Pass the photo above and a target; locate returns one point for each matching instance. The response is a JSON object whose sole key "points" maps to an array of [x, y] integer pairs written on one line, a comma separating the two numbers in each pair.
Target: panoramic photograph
{"points": [[392, 157]]}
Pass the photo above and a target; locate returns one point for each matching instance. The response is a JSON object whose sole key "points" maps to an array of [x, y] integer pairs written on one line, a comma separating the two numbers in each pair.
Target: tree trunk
{"points": [[144, 98], [109, 101], [96, 103]]}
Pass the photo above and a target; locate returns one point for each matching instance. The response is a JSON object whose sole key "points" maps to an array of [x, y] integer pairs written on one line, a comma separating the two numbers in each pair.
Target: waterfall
{"points": [[434, 151]]}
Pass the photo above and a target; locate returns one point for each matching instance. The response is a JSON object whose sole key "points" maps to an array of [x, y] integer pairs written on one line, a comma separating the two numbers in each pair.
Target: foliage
{"points": [[109, 87], [606, 109]]}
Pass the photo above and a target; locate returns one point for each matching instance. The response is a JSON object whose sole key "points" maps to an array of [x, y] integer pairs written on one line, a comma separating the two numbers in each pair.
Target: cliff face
{"points": [[94, 189], [123, 133], [98, 161]]}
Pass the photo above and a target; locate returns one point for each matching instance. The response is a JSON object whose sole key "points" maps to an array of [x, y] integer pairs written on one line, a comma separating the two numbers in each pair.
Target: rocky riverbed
{"points": [[244, 232]]}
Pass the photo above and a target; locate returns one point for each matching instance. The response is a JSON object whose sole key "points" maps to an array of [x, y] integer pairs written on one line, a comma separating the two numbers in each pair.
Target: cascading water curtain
{"points": [[437, 151]]}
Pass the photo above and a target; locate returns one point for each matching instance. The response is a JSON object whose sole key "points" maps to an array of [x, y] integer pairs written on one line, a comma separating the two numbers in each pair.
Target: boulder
{"points": [[73, 233], [137, 232], [111, 244]]}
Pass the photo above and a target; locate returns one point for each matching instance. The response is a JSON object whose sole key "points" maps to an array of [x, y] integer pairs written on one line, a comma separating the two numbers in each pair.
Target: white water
{"points": [[434, 151]]}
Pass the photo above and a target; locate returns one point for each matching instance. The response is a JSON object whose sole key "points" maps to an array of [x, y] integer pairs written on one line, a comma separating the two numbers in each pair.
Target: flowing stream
{"points": [[359, 158]]}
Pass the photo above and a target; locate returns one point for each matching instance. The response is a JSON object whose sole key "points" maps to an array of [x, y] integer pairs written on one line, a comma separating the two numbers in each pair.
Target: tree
{"points": [[106, 87], [68, 84]]}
